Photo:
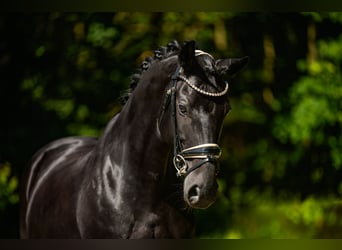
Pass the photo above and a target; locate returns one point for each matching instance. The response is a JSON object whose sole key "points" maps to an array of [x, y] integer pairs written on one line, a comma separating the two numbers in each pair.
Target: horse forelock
{"points": [[208, 64]]}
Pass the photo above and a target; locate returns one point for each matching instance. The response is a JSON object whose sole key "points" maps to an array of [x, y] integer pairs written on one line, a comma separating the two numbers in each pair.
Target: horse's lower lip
{"points": [[194, 195], [194, 199], [197, 204]]}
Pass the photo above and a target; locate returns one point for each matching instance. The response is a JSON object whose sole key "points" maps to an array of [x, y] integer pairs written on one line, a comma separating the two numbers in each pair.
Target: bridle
{"points": [[208, 152]]}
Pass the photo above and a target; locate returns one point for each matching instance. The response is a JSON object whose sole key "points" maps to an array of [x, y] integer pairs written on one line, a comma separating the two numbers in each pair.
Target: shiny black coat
{"points": [[122, 185]]}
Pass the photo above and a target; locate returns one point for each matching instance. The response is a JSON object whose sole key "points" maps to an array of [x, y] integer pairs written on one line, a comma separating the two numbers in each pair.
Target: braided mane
{"points": [[162, 52]]}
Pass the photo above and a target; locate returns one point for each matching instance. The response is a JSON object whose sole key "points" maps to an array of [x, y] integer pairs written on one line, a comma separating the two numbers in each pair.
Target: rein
{"points": [[208, 152]]}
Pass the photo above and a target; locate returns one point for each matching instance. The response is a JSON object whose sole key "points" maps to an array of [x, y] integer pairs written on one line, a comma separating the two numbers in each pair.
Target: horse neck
{"points": [[131, 141]]}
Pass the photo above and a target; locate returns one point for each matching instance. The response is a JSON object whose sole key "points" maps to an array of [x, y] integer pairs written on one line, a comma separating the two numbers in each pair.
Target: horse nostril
{"points": [[194, 194]]}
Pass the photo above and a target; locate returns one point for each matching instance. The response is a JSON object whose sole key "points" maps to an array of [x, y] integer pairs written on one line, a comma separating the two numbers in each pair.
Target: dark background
{"points": [[62, 74]]}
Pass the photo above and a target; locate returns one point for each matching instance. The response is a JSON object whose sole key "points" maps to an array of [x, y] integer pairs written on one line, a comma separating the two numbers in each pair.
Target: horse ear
{"points": [[231, 66], [186, 55]]}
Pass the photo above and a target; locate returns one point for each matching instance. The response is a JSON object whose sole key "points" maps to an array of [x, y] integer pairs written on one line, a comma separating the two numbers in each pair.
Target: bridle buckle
{"points": [[180, 165]]}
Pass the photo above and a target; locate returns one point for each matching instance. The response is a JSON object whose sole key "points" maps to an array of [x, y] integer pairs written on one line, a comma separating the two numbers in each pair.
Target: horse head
{"points": [[198, 100]]}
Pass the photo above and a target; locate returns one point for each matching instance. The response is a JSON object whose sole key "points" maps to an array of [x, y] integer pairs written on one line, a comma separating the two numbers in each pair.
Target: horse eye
{"points": [[182, 109]]}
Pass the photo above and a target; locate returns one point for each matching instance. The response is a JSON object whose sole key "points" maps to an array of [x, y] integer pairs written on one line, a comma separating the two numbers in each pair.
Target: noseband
{"points": [[208, 152]]}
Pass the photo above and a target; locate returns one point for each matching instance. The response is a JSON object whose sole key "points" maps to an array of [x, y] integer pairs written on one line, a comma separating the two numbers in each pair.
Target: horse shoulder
{"points": [[61, 156], [52, 155]]}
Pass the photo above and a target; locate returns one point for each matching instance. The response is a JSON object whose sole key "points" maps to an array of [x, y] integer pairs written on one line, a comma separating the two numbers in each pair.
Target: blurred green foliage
{"points": [[8, 186], [281, 177]]}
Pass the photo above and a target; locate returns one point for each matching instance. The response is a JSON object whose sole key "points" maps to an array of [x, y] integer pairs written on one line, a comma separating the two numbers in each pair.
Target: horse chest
{"points": [[162, 223], [134, 222]]}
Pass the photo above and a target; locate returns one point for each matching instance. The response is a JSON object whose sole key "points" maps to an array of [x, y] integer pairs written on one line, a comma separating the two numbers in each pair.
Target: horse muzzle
{"points": [[200, 186]]}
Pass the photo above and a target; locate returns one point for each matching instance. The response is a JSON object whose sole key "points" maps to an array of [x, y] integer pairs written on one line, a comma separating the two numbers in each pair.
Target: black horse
{"points": [[156, 158]]}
